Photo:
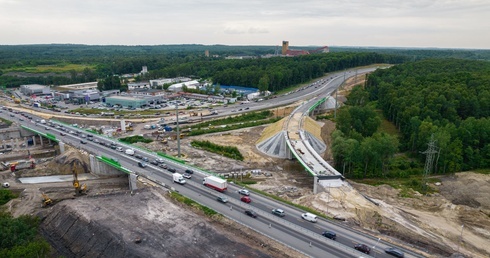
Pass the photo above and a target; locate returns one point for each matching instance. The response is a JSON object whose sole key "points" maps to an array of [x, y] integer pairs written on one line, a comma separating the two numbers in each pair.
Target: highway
{"points": [[291, 230]]}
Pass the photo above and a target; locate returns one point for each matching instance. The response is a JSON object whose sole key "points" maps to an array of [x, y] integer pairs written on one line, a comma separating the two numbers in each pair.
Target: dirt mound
{"points": [[61, 165], [153, 226]]}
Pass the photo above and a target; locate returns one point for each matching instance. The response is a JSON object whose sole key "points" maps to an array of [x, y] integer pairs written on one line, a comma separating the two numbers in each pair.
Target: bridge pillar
{"points": [[133, 180], [62, 147], [41, 140], [101, 169], [315, 184], [34, 140]]}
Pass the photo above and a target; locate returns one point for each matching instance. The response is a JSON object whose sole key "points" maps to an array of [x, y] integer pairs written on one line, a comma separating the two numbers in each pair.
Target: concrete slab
{"points": [[54, 179]]}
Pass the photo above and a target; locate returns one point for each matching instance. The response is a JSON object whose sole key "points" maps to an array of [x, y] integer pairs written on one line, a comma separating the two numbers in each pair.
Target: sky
{"points": [[379, 23]]}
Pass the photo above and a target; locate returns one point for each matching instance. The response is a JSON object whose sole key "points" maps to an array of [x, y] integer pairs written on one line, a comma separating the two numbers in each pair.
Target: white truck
{"points": [[178, 178], [216, 183]]}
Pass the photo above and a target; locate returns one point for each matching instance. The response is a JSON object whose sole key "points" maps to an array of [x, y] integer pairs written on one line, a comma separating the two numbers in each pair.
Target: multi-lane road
{"points": [[291, 230]]}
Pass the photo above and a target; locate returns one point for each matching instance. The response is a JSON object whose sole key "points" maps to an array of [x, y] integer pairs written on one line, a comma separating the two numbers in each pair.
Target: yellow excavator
{"points": [[46, 200], [79, 189]]}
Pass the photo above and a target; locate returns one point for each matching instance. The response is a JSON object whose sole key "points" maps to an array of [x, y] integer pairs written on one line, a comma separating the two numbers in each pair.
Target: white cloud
{"points": [[432, 23]]}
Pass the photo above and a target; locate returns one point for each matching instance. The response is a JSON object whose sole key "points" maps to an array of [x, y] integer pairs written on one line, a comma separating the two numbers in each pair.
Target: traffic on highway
{"points": [[310, 234]]}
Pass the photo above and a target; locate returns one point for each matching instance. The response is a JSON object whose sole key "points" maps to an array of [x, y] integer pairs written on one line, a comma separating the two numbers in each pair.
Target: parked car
{"points": [[278, 212], [188, 176], [395, 252], [244, 192], [246, 199], [251, 213], [329, 234], [222, 199], [362, 248]]}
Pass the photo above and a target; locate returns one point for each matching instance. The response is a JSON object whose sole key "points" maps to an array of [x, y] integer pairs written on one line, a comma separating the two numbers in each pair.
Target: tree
{"points": [[264, 83]]}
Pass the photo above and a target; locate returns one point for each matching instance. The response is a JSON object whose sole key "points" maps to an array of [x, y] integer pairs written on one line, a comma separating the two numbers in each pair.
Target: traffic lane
{"points": [[285, 234]]}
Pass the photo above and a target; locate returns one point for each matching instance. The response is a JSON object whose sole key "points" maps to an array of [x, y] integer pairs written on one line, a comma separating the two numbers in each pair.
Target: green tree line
{"points": [[446, 98]]}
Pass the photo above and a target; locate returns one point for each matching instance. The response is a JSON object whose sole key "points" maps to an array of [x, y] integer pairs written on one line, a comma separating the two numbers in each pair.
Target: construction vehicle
{"points": [[22, 164], [46, 200], [79, 189]]}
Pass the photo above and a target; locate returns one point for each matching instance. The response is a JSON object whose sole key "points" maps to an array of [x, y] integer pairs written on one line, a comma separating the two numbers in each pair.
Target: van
{"points": [[309, 217], [130, 152]]}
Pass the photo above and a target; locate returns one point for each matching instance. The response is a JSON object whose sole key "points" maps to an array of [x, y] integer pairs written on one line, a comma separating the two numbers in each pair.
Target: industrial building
{"points": [[139, 85], [133, 101], [290, 52], [35, 89], [84, 96]]}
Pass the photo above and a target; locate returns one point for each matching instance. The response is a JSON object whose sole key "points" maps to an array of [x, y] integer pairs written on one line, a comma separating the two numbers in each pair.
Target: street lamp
{"points": [[178, 131], [374, 247]]}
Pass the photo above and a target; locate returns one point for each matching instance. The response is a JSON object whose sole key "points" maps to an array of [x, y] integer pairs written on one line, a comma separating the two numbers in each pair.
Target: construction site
{"points": [[87, 215]]}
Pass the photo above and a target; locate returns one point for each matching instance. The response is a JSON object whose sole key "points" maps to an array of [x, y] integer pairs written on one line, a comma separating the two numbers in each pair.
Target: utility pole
{"points": [[460, 237], [178, 131]]}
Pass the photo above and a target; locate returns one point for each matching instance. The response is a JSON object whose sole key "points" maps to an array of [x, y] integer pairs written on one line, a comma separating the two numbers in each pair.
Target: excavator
{"points": [[46, 200], [79, 189]]}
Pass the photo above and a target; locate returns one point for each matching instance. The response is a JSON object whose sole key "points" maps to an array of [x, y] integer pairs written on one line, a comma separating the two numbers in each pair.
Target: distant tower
{"points": [[144, 70], [285, 47], [206, 53]]}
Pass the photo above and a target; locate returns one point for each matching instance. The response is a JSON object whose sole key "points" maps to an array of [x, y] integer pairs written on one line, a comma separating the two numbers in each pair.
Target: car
{"points": [[222, 199], [138, 156], [46, 128], [142, 164], [159, 160], [162, 165], [119, 149], [83, 136], [83, 142], [329, 234], [362, 248], [154, 162], [90, 139], [171, 170], [251, 213], [188, 176], [96, 140], [188, 171], [20, 119], [395, 252], [246, 199], [244, 192], [62, 134], [247, 108], [278, 212], [145, 159]]}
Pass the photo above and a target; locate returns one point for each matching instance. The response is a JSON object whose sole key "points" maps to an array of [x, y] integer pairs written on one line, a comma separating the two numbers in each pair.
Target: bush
{"points": [[227, 151], [135, 139], [6, 196]]}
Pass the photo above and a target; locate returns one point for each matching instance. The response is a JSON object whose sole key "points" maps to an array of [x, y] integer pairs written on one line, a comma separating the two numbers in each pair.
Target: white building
{"points": [[139, 85], [189, 84]]}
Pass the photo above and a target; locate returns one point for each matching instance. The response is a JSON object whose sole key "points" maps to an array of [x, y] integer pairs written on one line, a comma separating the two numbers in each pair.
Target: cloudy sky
{"points": [[397, 23]]}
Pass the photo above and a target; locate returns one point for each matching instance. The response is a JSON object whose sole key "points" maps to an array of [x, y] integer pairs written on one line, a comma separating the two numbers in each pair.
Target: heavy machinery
{"points": [[79, 189], [46, 200]]}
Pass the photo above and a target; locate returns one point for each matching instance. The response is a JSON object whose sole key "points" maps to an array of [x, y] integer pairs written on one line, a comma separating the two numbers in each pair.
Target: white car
{"points": [[244, 192]]}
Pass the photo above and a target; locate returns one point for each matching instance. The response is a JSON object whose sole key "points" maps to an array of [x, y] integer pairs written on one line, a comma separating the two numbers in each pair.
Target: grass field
{"points": [[59, 68]]}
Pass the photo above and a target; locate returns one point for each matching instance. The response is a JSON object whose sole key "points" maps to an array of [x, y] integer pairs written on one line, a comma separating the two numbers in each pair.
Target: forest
{"points": [[444, 100], [71, 63]]}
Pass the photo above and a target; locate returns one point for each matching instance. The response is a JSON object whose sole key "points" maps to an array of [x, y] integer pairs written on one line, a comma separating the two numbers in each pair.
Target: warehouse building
{"points": [[132, 101], [35, 89]]}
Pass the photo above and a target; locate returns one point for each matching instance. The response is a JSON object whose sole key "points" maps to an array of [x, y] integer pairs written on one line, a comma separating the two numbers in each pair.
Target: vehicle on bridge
{"points": [[215, 183], [178, 178]]}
